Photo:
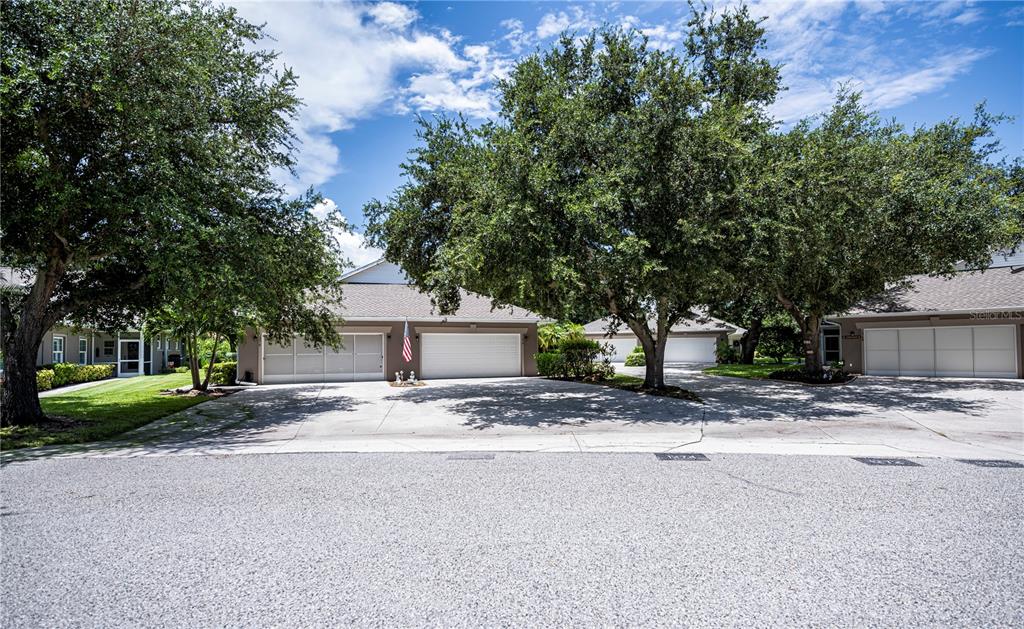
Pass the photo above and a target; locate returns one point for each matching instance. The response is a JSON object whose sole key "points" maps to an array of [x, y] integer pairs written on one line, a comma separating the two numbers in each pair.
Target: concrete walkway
{"points": [[869, 417], [73, 387]]}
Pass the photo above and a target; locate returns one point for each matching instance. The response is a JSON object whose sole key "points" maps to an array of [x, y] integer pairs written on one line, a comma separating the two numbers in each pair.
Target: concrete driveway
{"points": [[870, 417]]}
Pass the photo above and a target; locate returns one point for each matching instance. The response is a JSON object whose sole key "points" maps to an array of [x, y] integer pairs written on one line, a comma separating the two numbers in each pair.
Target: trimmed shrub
{"points": [[224, 373], [579, 355], [181, 370], [725, 353], [70, 373], [636, 358], [44, 379], [550, 364]]}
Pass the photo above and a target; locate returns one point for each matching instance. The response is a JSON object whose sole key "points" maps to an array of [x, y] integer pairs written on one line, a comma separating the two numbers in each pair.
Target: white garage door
{"points": [[470, 355], [983, 351], [621, 347], [690, 350], [360, 357]]}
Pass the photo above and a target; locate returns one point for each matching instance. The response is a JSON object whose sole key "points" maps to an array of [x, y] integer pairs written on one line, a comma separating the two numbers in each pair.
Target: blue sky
{"points": [[367, 69]]}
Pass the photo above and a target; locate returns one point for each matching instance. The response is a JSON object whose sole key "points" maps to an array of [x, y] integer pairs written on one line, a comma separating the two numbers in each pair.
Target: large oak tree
{"points": [[611, 181], [847, 205], [126, 124]]}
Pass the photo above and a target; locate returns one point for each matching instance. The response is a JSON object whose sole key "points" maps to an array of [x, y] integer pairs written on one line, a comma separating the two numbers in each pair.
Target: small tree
{"points": [[612, 181], [280, 275], [847, 205]]}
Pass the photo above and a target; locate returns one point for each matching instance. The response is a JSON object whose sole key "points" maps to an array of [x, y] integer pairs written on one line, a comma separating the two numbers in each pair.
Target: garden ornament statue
{"points": [[412, 377]]}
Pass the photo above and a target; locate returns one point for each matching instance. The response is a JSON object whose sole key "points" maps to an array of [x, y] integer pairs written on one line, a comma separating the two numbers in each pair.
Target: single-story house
{"points": [[132, 351], [378, 302], [968, 325], [691, 340]]}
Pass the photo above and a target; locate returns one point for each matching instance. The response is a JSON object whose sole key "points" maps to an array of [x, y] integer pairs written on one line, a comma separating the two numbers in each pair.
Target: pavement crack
{"points": [[383, 419], [703, 418], [761, 485], [578, 446]]}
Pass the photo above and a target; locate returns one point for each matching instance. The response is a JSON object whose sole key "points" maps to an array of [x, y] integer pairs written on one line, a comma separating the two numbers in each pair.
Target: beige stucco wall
{"points": [[248, 350], [852, 333]]}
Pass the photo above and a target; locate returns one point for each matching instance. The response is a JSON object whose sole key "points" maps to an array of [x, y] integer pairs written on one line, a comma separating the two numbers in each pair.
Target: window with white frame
{"points": [[108, 348], [58, 350], [83, 351], [159, 344]]}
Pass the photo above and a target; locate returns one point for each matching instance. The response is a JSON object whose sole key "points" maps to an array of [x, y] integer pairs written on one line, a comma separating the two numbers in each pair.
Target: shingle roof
{"points": [[400, 301], [699, 323], [992, 289]]}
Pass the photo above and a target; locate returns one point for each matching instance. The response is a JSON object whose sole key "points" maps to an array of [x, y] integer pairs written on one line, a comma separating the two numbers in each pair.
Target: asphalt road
{"points": [[523, 539]]}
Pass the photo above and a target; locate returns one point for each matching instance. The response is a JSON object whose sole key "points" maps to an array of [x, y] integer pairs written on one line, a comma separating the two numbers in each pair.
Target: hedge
{"points": [[550, 364], [44, 379], [70, 373], [224, 373], [636, 358]]}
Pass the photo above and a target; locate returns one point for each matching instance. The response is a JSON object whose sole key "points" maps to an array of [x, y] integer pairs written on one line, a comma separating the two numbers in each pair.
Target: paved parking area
{"points": [[872, 417], [415, 540]]}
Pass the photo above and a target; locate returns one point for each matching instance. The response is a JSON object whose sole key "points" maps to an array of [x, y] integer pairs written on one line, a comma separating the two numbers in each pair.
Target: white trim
{"points": [[927, 313], [414, 319], [357, 270], [82, 339], [63, 348]]}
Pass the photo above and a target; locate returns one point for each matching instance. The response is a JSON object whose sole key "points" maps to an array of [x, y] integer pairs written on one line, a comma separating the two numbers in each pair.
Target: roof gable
{"points": [[377, 272]]}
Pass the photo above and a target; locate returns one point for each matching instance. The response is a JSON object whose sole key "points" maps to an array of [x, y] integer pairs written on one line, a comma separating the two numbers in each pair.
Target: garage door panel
{"points": [[882, 356], [308, 363], [621, 348], [995, 363], [917, 352], [475, 355], [993, 337], [690, 350]]}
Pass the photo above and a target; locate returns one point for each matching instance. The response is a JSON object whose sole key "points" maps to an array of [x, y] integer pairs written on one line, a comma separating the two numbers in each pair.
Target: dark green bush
{"points": [[70, 373], [550, 364], [44, 379], [224, 373], [636, 358], [778, 342], [725, 353]]}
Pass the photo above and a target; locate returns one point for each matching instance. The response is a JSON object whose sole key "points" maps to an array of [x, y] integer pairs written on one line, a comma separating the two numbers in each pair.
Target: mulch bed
{"points": [[397, 385], [671, 391], [801, 377], [190, 392]]}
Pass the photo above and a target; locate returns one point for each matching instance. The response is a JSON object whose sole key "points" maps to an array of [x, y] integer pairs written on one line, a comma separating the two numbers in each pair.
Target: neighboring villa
{"points": [[968, 325], [691, 340], [132, 352], [378, 303]]}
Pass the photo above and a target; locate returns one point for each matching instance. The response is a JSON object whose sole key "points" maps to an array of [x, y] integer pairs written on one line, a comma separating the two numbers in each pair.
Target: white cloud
{"points": [[391, 15], [353, 60], [352, 244], [969, 16], [517, 36], [552, 24]]}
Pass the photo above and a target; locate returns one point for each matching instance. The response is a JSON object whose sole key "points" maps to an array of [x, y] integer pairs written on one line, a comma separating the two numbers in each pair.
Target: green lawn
{"points": [[102, 411], [761, 368]]}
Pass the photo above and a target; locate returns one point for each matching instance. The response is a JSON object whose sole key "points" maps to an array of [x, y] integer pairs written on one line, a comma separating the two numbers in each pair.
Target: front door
{"points": [[130, 364]]}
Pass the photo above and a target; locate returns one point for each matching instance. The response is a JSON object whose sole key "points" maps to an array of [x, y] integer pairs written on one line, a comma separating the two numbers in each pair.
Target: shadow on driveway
{"points": [[739, 399], [539, 403]]}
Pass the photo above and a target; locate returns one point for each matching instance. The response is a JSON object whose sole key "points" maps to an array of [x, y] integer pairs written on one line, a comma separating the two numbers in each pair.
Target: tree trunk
{"points": [[20, 396], [192, 349], [811, 330], [749, 341], [209, 367], [654, 355], [19, 401]]}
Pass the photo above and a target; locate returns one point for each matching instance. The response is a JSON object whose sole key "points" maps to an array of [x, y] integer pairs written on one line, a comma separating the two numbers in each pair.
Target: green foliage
{"points": [[636, 358], [725, 353], [44, 379], [844, 207], [224, 373], [133, 132], [778, 342], [610, 183], [549, 335], [582, 357], [550, 364], [71, 373], [181, 370]]}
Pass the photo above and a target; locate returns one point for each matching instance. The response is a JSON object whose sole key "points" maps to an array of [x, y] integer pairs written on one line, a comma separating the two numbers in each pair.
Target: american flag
{"points": [[407, 345]]}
